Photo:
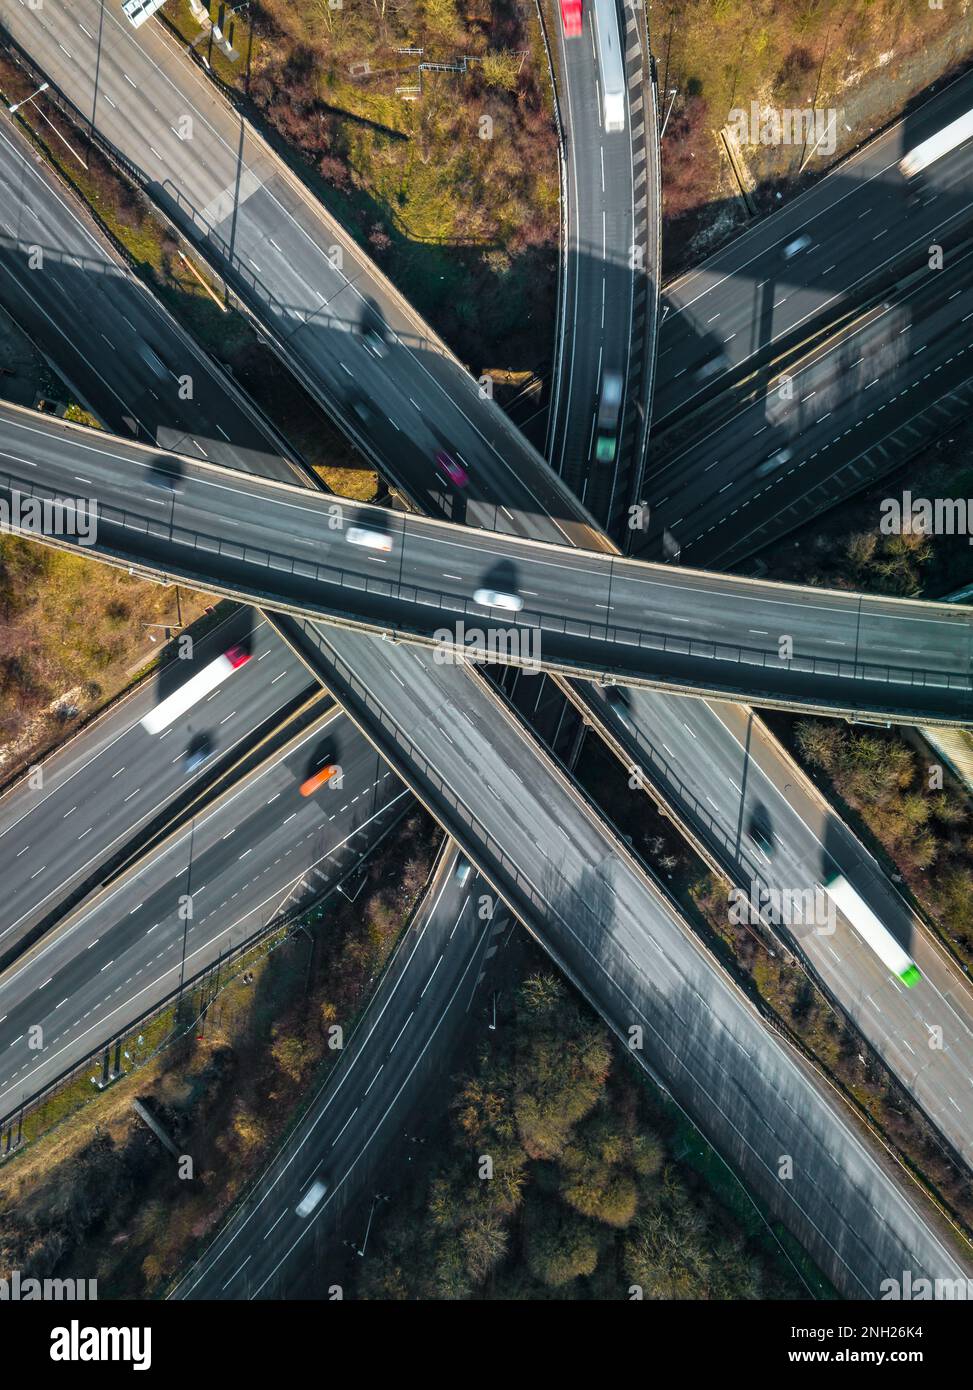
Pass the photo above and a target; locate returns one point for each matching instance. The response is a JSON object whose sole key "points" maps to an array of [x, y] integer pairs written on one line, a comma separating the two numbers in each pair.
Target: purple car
{"points": [[455, 471]]}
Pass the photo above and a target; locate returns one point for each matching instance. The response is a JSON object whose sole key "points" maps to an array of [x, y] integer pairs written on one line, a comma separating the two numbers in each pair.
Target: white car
{"points": [[317, 1190], [496, 598], [800, 243], [369, 537]]}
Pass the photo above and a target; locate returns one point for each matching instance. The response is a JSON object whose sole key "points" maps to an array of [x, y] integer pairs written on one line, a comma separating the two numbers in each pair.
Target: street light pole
{"points": [[673, 92], [43, 88], [364, 1245], [18, 104]]}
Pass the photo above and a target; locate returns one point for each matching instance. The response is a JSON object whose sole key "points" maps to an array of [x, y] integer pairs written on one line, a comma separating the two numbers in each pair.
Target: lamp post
{"points": [[673, 92], [26, 101], [364, 1245], [18, 104]]}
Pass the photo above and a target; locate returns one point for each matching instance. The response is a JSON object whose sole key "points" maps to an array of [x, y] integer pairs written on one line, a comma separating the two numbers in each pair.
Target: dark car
{"points": [[618, 702], [198, 751], [362, 408], [761, 834]]}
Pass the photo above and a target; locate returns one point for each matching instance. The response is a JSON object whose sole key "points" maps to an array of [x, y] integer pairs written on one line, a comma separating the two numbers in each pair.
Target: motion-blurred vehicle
{"points": [[712, 365], [777, 460], [496, 598], [462, 871], [152, 359], [161, 477], [311, 1198], [571, 18], [197, 752], [793, 248], [363, 409], [374, 342], [454, 470], [761, 834], [942, 142], [318, 779], [369, 537], [213, 674], [618, 703], [608, 406], [610, 64]]}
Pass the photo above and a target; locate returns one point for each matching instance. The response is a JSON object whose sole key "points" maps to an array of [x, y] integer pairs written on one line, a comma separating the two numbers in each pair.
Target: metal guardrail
{"points": [[562, 263], [458, 604], [786, 939], [652, 166], [202, 983]]}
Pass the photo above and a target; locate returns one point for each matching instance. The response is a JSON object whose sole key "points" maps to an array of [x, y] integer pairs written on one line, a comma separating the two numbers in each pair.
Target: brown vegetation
{"points": [[454, 192], [907, 802], [866, 60], [70, 629], [100, 1196], [557, 1180], [847, 549]]}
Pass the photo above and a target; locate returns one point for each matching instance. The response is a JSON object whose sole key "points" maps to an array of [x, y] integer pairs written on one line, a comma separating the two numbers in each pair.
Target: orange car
{"points": [[318, 779]]}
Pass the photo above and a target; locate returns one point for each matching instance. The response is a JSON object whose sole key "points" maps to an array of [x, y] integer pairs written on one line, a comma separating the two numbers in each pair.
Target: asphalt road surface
{"points": [[260, 850], [280, 545], [614, 932], [96, 792], [316, 293], [846, 413], [393, 1057], [741, 783], [598, 280], [748, 299], [123, 356]]}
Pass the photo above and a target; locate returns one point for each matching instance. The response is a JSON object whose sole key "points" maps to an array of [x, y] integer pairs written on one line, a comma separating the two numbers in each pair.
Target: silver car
{"points": [[369, 537], [775, 461], [311, 1198], [496, 598], [800, 243]]}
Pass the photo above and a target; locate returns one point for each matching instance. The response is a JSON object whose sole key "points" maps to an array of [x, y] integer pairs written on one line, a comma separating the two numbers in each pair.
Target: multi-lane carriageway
{"points": [[588, 614], [102, 789], [199, 164], [257, 851], [618, 936]]}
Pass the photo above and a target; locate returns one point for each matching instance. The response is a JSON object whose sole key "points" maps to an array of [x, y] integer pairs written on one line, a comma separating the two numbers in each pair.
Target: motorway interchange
{"points": [[539, 842]]}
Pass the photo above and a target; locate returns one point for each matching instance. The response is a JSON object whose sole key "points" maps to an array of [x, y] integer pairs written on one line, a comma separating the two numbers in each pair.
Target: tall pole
{"points": [[817, 89], [375, 1201], [673, 94], [672, 25], [185, 920]]}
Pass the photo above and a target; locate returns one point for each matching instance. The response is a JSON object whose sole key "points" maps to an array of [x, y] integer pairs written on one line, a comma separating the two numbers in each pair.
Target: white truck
{"points": [[937, 145]]}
